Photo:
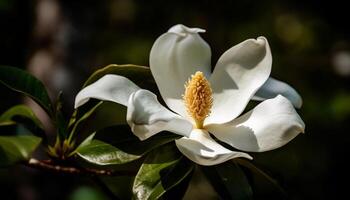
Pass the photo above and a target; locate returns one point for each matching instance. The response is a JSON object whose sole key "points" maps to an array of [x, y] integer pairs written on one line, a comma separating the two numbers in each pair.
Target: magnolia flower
{"points": [[202, 103]]}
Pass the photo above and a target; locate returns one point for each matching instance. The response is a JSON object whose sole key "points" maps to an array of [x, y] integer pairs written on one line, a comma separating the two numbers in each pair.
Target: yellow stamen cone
{"points": [[198, 98]]}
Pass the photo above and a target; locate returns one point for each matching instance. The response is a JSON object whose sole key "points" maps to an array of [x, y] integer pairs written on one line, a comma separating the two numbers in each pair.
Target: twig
{"points": [[48, 165]]}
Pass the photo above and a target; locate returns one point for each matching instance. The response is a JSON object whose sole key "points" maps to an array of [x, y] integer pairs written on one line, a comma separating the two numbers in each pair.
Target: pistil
{"points": [[198, 98]]}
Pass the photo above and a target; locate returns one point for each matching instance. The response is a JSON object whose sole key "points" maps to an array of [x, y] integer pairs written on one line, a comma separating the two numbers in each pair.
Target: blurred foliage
{"points": [[305, 38], [87, 193]]}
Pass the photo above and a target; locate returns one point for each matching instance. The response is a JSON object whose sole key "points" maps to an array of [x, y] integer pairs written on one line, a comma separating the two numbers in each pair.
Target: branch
{"points": [[50, 166]]}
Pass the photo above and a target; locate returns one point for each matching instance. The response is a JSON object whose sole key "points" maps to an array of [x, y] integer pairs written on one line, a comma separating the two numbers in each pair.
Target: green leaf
{"points": [[10, 116], [118, 145], [163, 169], [86, 142], [103, 114], [260, 173], [120, 186], [22, 114], [14, 149], [60, 122], [229, 181], [23, 82], [101, 153]]}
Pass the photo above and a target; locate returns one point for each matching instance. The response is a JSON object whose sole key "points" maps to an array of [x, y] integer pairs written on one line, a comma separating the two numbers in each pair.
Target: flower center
{"points": [[198, 98]]}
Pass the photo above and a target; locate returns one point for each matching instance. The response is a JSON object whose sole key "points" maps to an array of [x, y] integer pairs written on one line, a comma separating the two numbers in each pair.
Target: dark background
{"points": [[62, 42]]}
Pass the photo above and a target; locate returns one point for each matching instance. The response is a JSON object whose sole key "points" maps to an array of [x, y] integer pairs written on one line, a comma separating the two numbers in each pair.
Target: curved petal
{"points": [[175, 56], [273, 87], [239, 73], [108, 88], [270, 125], [146, 116], [202, 149], [182, 30]]}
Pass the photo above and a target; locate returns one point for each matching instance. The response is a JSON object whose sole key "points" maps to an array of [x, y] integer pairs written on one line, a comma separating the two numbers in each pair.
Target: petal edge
{"points": [[108, 88], [238, 74], [272, 87], [174, 57], [270, 125], [202, 149], [146, 116]]}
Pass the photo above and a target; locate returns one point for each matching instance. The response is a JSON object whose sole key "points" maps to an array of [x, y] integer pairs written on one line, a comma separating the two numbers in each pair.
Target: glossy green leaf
{"points": [[86, 142], [229, 181], [14, 149], [163, 168], [174, 181], [23, 82], [101, 153], [118, 145]]}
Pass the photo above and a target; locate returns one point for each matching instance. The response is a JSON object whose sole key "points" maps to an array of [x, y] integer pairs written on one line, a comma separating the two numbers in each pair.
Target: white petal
{"points": [[146, 116], [202, 149], [108, 88], [175, 56], [273, 87], [182, 30], [239, 73], [270, 125]]}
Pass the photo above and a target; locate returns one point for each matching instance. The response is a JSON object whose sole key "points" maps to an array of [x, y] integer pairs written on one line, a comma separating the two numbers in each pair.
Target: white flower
{"points": [[209, 102]]}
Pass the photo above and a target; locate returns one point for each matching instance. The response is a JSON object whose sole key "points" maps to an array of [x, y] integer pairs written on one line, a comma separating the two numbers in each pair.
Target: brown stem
{"points": [[50, 166]]}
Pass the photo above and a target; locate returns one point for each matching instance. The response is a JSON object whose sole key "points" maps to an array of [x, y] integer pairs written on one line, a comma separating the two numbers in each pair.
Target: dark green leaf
{"points": [[122, 137], [22, 114], [23, 111], [120, 186], [173, 181], [60, 122], [102, 115], [229, 181], [86, 142], [179, 190], [23, 82], [105, 115], [162, 169], [261, 174], [14, 149], [118, 145]]}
